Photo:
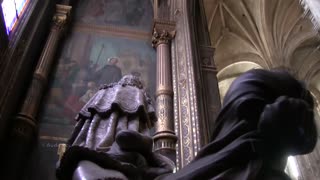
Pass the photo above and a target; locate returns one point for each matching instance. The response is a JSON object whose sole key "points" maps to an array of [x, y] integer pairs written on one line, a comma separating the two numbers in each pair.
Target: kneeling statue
{"points": [[111, 139]]}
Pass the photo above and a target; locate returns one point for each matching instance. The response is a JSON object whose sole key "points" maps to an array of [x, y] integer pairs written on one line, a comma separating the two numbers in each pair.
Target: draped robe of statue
{"points": [[266, 116], [111, 138]]}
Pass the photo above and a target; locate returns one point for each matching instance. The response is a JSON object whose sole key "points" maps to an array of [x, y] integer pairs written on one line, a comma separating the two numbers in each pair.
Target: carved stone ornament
{"points": [[163, 32], [61, 16], [163, 37]]}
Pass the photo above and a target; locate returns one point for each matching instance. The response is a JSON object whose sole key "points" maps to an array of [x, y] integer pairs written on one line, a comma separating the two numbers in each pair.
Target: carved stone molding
{"points": [[163, 32], [210, 102], [186, 113], [194, 80]]}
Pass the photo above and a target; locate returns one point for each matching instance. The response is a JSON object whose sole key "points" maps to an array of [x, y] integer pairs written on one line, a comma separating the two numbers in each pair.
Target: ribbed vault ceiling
{"points": [[270, 33]]}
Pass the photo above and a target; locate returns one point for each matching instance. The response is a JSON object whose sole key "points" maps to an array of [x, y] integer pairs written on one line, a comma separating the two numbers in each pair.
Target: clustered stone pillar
{"points": [[210, 91], [164, 138], [25, 123]]}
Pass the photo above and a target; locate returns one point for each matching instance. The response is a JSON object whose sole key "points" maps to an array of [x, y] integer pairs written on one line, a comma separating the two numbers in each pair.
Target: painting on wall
{"points": [[109, 39], [89, 61], [127, 13]]}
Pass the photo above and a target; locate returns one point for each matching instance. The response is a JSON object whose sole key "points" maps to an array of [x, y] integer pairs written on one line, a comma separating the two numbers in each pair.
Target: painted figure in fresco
{"points": [[266, 116], [109, 73], [66, 73], [135, 10], [78, 88], [92, 10], [92, 89], [111, 139], [115, 12]]}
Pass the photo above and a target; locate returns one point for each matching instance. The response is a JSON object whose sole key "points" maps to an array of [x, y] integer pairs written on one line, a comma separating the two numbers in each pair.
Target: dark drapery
{"points": [[266, 116]]}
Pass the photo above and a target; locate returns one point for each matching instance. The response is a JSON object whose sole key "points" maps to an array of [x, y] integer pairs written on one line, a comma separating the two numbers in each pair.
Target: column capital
{"points": [[61, 16], [163, 32]]}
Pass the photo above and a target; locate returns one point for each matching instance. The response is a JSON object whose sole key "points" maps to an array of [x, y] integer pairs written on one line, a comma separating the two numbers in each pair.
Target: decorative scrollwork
{"points": [[163, 37]]}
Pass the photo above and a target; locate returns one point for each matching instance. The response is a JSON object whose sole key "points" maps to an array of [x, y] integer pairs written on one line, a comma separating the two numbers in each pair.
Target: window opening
{"points": [[12, 11]]}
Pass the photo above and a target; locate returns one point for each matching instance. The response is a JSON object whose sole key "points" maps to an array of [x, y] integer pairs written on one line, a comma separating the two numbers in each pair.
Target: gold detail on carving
{"points": [[163, 32], [164, 137], [61, 149], [186, 113], [164, 91], [61, 16], [163, 37], [164, 113], [165, 141]]}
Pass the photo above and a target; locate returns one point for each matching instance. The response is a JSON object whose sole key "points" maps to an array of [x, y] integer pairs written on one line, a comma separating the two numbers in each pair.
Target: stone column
{"points": [[209, 93], [25, 123], [164, 138], [27, 114]]}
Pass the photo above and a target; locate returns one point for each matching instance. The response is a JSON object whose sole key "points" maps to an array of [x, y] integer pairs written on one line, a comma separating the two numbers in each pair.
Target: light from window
{"points": [[293, 167], [12, 11], [20, 5]]}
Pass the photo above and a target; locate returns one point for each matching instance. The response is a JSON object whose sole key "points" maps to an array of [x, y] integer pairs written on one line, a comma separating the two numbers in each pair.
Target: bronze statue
{"points": [[111, 139], [266, 116]]}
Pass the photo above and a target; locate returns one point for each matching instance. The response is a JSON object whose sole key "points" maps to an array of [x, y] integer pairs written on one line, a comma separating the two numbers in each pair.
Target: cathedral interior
{"points": [[55, 54]]}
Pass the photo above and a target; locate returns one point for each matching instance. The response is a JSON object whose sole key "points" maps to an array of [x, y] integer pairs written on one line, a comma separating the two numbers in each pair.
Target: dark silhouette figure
{"points": [[109, 73], [266, 116]]}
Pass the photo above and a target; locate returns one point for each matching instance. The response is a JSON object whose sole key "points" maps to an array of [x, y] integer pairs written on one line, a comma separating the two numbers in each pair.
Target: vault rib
{"points": [[240, 25]]}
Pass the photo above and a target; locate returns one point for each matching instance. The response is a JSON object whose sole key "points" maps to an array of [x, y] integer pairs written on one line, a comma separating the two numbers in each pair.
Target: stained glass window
{"points": [[12, 11]]}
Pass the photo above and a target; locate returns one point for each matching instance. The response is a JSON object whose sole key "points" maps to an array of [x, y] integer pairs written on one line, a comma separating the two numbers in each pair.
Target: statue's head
{"points": [[131, 80], [277, 105], [267, 85]]}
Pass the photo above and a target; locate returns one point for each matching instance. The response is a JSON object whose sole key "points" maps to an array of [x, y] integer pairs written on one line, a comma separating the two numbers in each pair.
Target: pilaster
{"points": [[209, 93], [186, 109], [194, 81]]}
